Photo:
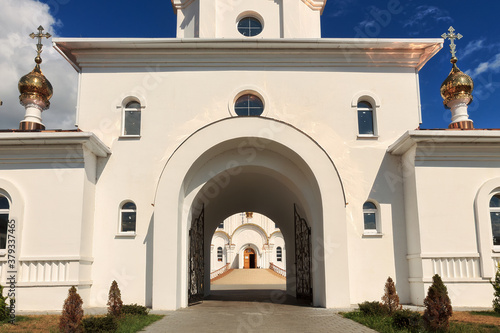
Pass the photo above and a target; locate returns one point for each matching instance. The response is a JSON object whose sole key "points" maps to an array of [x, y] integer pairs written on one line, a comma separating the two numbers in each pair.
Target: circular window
{"points": [[249, 26], [249, 105]]}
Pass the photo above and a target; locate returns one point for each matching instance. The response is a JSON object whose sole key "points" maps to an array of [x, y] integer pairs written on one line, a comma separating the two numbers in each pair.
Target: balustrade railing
{"points": [[277, 269], [219, 272]]}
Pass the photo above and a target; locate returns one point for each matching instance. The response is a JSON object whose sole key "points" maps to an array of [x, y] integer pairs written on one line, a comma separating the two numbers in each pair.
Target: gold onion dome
{"points": [[35, 88], [457, 85]]}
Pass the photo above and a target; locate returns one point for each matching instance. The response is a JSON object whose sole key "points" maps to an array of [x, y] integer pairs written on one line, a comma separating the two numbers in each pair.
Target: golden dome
{"points": [[457, 85], [35, 88]]}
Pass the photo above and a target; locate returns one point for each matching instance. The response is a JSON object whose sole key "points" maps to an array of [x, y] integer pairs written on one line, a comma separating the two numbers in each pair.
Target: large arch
{"points": [[250, 164]]}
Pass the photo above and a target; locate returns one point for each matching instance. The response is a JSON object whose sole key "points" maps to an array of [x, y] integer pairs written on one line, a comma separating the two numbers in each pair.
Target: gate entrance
{"points": [[302, 257], [196, 288]]}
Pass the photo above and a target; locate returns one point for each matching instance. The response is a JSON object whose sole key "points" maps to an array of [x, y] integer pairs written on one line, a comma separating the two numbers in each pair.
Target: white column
{"points": [[458, 109], [212, 262]]}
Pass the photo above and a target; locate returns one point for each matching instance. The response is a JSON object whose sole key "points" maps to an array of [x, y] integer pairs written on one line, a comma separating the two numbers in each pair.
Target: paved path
{"points": [[258, 309]]}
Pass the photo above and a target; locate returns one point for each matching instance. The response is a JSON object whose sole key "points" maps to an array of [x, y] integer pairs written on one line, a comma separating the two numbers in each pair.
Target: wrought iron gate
{"points": [[196, 259], [302, 257]]}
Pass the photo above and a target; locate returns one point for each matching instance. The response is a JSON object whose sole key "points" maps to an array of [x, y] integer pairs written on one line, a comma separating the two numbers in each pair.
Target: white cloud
{"points": [[472, 47], [425, 15], [17, 51], [492, 65]]}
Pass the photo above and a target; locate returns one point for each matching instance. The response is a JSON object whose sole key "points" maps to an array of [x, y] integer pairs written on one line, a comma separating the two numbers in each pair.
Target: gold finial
{"points": [[452, 36], [39, 45]]}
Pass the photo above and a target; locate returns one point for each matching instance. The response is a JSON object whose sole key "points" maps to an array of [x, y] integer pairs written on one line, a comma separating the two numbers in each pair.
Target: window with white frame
{"points": [[495, 218], [249, 105], [128, 213], [132, 119], [4, 220], [366, 123], [370, 218], [219, 254], [279, 254]]}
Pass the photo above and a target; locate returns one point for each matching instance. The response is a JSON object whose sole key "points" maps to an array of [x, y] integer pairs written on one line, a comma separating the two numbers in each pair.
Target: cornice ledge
{"points": [[87, 139], [315, 4], [440, 137], [181, 4]]}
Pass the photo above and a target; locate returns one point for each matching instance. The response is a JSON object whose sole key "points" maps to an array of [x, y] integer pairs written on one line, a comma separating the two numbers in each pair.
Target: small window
{"points": [[279, 254], [365, 119], [4, 220], [128, 217], [221, 225], [249, 105], [132, 119], [370, 217], [495, 218], [219, 254], [249, 26]]}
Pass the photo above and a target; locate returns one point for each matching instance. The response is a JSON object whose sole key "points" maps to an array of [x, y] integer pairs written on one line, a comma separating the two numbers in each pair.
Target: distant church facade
{"points": [[249, 110]]}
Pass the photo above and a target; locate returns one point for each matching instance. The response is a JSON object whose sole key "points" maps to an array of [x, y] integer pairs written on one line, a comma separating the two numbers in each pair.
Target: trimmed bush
{"points": [[391, 298], [372, 309], [438, 308], [407, 319], [496, 287], [100, 324], [72, 313], [135, 309], [4, 312], [114, 300]]}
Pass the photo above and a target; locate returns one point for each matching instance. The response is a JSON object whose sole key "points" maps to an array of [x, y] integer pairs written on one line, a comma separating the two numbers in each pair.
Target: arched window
{"points": [[495, 218], [128, 214], [4, 220], [366, 124], [132, 119], [219, 254], [249, 26], [279, 254], [370, 217], [249, 105]]}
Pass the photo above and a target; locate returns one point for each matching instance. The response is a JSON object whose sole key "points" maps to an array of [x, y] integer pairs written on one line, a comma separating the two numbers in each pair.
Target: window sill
{"points": [[496, 249], [367, 137], [126, 235], [129, 137], [373, 235], [3, 253]]}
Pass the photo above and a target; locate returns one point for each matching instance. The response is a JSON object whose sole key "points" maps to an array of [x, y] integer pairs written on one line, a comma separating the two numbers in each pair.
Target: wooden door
{"points": [[249, 256]]}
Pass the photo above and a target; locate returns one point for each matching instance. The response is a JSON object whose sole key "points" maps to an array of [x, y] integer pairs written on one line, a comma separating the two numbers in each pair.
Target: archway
{"points": [[276, 167]]}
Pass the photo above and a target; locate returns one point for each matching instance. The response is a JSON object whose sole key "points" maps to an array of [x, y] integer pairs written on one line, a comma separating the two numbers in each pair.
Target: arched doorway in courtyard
{"points": [[257, 165]]}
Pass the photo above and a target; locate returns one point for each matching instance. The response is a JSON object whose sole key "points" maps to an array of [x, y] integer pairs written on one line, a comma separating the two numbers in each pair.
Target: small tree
{"points": [[114, 300], [496, 286], [391, 298], [4, 312], [72, 313], [438, 308]]}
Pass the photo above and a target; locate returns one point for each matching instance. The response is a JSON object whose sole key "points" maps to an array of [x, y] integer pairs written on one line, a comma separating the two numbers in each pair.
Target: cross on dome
{"points": [[39, 45], [452, 36]]}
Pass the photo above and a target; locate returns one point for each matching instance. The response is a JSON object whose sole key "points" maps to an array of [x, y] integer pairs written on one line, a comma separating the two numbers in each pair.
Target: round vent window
{"points": [[249, 105], [249, 26]]}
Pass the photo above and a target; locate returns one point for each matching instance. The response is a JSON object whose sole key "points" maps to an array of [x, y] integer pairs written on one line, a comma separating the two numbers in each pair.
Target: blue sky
{"points": [[478, 51]]}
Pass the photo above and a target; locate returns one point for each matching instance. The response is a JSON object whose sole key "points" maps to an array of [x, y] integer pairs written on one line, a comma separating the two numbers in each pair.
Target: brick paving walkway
{"points": [[253, 310]]}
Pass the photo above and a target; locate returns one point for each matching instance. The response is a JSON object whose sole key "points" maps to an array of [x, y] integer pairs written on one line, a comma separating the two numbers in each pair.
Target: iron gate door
{"points": [[197, 259], [302, 257]]}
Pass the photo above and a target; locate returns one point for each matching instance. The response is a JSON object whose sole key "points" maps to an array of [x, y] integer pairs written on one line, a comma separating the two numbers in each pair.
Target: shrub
{"points": [[4, 312], [407, 319], [391, 298], [438, 308], [496, 287], [372, 309], [114, 300], [72, 313], [135, 309], [100, 324]]}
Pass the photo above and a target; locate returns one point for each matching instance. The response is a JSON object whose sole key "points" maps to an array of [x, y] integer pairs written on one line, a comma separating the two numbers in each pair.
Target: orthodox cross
{"points": [[39, 45], [452, 36]]}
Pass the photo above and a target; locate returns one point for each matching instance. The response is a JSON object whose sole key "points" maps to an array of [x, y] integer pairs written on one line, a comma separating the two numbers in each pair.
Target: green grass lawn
{"points": [[383, 324]]}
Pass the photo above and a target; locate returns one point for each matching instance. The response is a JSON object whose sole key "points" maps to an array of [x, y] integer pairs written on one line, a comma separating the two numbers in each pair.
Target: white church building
{"points": [[248, 110]]}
